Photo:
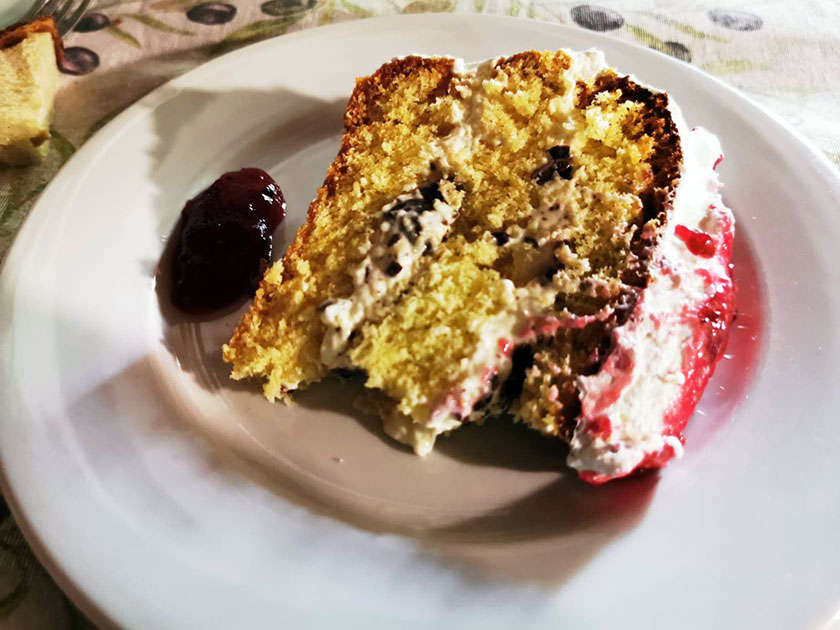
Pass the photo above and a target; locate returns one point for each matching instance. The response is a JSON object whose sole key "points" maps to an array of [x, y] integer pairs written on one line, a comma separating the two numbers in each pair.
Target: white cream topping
{"points": [[656, 335]]}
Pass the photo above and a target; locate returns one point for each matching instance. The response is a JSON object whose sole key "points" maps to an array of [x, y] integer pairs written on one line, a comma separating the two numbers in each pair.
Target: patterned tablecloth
{"points": [[784, 54]]}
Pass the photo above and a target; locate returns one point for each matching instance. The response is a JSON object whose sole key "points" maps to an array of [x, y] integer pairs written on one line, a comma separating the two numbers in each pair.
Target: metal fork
{"points": [[66, 13]]}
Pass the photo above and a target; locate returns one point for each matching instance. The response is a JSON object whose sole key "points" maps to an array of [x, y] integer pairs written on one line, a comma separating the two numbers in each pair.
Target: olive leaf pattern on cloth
{"points": [[750, 49]]}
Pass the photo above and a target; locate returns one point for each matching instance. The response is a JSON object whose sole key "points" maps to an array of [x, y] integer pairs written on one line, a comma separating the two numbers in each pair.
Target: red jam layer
{"points": [[702, 355], [711, 318]]}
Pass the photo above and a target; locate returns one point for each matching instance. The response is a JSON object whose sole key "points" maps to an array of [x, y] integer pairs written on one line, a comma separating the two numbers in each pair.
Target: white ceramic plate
{"points": [[161, 495], [13, 10]]}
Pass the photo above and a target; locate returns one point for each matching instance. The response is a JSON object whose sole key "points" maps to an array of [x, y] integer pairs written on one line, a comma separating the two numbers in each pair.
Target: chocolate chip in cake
{"points": [[559, 163], [393, 240], [323, 305], [483, 402], [410, 226], [559, 152], [530, 241], [494, 381], [522, 359], [393, 268], [412, 205], [349, 372], [548, 274], [543, 174], [501, 238], [431, 193], [406, 212]]}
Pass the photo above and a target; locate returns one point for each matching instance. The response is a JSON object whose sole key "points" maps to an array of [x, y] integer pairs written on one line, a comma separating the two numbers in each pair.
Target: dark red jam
{"points": [[223, 244], [698, 243]]}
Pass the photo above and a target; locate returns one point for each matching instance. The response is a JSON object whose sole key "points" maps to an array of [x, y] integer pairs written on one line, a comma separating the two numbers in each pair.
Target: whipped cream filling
{"points": [[644, 377], [408, 229]]}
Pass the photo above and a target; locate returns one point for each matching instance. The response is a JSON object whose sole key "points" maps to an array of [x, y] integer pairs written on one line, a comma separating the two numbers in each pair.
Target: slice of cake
{"points": [[536, 235], [29, 56]]}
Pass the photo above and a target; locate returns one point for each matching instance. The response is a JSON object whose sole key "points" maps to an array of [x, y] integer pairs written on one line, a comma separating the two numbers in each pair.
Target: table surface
{"points": [[785, 55]]}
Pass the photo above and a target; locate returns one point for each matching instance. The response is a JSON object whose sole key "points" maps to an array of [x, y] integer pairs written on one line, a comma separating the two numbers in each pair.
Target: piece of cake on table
{"points": [[29, 55], [535, 235]]}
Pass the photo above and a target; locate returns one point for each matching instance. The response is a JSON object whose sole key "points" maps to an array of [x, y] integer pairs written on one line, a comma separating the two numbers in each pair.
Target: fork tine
{"points": [[65, 8], [46, 8], [36, 10], [60, 8], [66, 22]]}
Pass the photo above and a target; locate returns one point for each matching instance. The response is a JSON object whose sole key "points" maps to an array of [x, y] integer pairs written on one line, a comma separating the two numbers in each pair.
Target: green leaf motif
{"points": [[674, 49], [261, 29], [20, 186], [732, 66], [148, 20], [121, 35], [11, 601], [13, 195], [171, 5], [356, 10], [429, 6], [327, 13], [515, 7], [531, 12], [62, 146], [478, 5], [22, 196], [100, 5], [689, 30], [646, 38]]}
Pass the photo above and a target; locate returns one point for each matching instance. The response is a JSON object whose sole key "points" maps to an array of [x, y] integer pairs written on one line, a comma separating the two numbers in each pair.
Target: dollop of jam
{"points": [[698, 243], [223, 244]]}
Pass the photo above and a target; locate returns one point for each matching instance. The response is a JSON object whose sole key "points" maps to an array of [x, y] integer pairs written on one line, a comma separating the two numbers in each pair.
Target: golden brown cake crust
{"points": [[363, 107], [666, 161], [533, 63], [16, 33]]}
